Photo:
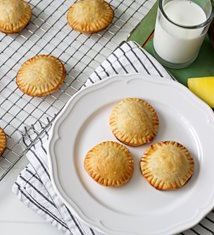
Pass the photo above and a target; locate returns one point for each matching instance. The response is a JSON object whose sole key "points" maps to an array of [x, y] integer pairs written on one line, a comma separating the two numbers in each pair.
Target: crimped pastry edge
{"points": [[30, 89], [158, 184], [89, 28], [108, 182], [15, 28], [3, 141], [125, 138]]}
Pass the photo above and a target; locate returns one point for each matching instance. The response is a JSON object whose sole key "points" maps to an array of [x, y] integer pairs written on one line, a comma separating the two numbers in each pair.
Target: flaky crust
{"points": [[3, 141], [167, 165], [90, 16], [134, 121], [109, 163], [14, 15], [41, 75]]}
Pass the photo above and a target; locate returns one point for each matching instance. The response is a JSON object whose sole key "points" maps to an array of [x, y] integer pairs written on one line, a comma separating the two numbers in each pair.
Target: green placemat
{"points": [[202, 66]]}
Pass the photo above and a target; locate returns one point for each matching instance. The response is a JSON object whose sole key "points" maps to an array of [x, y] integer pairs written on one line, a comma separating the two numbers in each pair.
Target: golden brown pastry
{"points": [[109, 163], [3, 141], [14, 15], [41, 75], [134, 121], [167, 165], [90, 16]]}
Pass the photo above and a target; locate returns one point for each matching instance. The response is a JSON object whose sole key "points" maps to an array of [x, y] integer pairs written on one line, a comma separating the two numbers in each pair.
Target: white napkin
{"points": [[33, 186]]}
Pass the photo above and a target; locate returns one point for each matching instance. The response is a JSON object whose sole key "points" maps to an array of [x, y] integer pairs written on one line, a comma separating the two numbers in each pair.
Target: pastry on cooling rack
{"points": [[3, 141], [109, 163], [90, 16], [41, 75], [167, 165], [14, 15], [134, 121]]}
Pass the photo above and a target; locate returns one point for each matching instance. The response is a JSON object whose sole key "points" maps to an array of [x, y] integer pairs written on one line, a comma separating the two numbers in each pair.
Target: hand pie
{"points": [[3, 141], [41, 75], [134, 122], [90, 16], [14, 15], [167, 165], [109, 163]]}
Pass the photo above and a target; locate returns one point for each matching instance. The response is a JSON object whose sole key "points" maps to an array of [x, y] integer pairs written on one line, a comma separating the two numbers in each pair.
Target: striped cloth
{"points": [[33, 186]]}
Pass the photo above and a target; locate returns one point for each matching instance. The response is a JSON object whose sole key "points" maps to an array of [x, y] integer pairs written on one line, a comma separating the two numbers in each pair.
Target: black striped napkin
{"points": [[33, 186]]}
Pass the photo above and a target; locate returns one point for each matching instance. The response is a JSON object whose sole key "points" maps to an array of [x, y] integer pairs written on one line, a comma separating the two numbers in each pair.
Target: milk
{"points": [[176, 44]]}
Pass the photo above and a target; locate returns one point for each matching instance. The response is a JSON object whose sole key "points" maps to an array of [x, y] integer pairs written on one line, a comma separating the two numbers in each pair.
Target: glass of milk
{"points": [[181, 26]]}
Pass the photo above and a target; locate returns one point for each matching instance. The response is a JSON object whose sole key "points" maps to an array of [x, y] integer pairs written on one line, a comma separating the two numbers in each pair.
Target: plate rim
{"points": [[54, 136]]}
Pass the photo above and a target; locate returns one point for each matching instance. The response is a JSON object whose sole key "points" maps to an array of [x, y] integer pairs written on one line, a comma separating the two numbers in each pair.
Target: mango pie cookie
{"points": [[109, 163], [41, 75], [134, 121], [167, 165], [90, 16], [3, 141], [14, 15]]}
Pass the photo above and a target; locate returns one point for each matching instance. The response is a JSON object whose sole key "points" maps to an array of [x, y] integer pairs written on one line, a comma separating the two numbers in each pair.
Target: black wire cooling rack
{"points": [[48, 33]]}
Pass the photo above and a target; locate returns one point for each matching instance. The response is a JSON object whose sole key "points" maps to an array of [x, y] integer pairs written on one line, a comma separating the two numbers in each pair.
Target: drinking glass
{"points": [[181, 26]]}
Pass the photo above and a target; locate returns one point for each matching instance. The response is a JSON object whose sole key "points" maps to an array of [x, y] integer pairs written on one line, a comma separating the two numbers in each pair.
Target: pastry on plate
{"points": [[14, 15], [3, 141], [134, 121], [90, 16], [109, 163], [167, 165], [41, 75]]}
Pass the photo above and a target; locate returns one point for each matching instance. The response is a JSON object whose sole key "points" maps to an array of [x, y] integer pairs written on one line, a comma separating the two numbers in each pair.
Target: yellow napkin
{"points": [[203, 87]]}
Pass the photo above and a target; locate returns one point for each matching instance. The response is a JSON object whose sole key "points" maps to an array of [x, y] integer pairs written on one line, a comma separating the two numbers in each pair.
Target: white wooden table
{"points": [[15, 217]]}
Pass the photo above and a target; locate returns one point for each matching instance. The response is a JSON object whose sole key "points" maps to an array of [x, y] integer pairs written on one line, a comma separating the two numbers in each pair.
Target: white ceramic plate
{"points": [[136, 208]]}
